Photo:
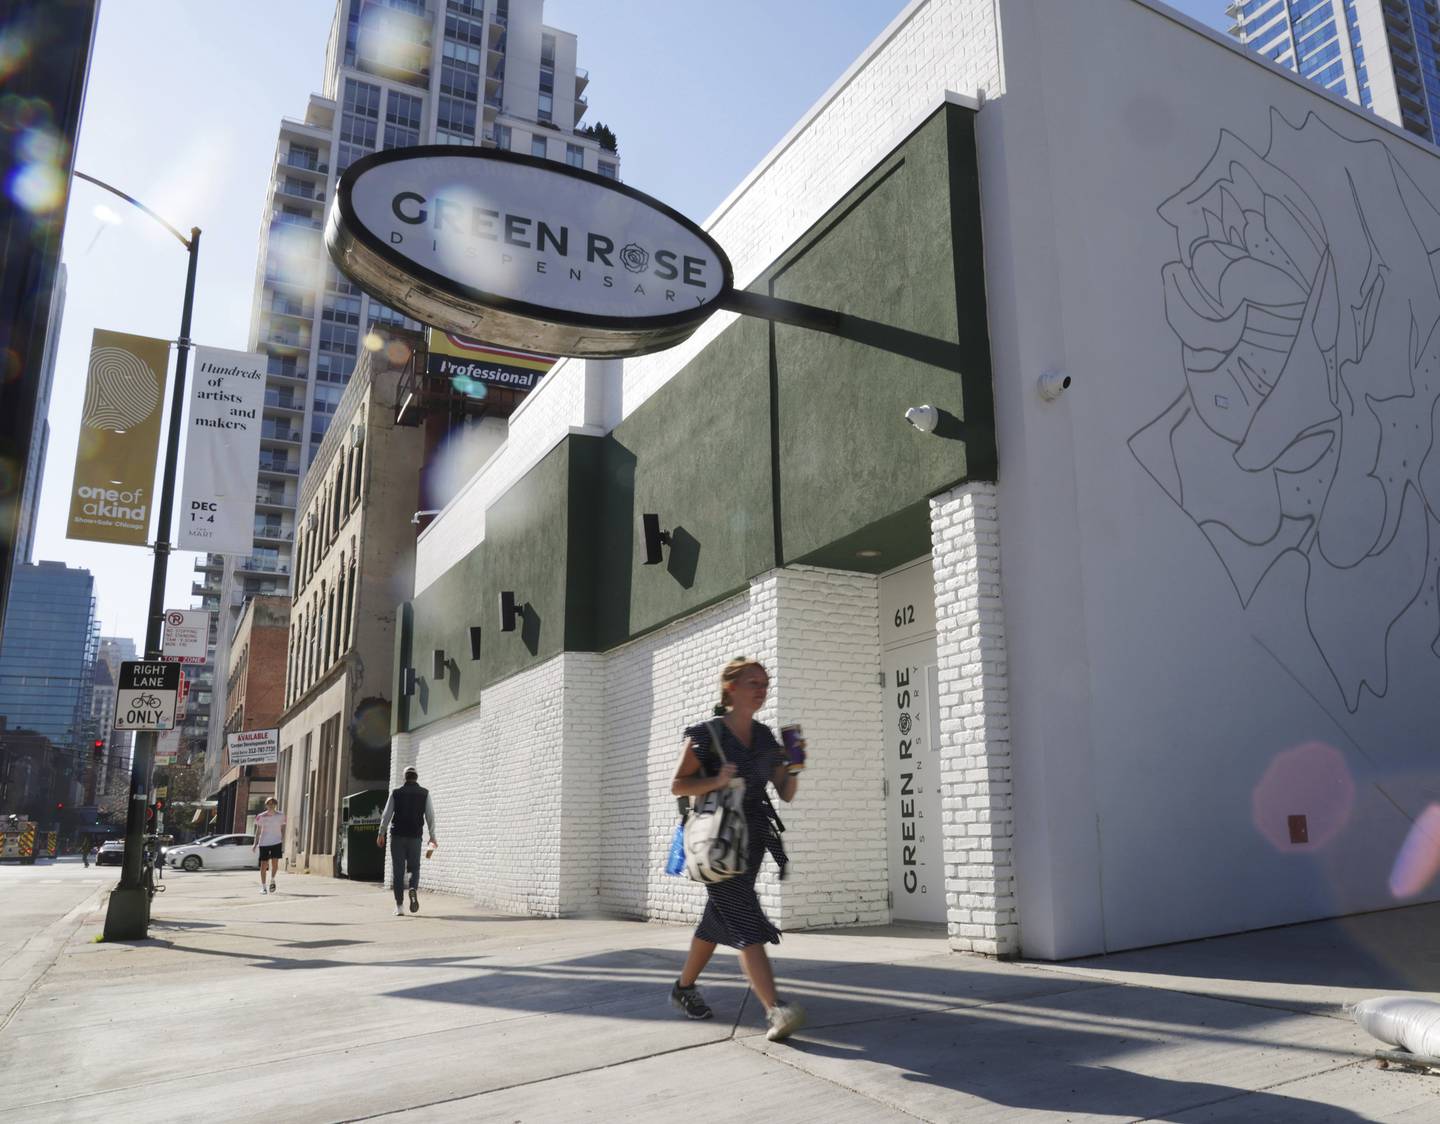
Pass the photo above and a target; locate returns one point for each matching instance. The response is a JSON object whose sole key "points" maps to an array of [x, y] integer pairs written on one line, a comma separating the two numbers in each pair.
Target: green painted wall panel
{"points": [[774, 445], [884, 256], [698, 455]]}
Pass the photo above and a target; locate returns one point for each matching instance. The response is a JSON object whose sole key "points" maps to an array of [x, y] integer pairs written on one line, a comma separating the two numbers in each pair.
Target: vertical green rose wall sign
{"points": [[1305, 299]]}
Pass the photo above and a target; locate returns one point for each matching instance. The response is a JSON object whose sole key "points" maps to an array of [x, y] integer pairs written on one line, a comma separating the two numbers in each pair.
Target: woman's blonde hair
{"points": [[731, 674]]}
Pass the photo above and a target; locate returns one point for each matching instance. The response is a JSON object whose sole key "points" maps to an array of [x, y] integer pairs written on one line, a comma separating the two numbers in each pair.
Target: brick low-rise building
{"points": [[255, 696]]}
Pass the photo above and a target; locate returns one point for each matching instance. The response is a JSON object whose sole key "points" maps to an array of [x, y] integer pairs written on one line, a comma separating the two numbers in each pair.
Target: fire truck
{"points": [[18, 840]]}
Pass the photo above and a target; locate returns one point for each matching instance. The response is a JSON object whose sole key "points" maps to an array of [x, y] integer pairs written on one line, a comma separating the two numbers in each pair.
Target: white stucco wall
{"points": [[1194, 594]]}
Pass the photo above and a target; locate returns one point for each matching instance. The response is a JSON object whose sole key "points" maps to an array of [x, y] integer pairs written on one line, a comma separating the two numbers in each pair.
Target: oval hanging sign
{"points": [[522, 252]]}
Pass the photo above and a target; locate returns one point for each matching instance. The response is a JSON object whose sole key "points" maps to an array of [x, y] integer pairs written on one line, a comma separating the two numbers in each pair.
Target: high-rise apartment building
{"points": [[397, 73], [1381, 54]]}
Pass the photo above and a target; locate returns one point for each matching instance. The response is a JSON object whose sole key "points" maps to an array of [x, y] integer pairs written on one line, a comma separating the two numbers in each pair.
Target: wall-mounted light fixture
{"points": [[407, 681], [439, 663], [510, 611], [923, 418], [419, 515], [474, 641], [1052, 384], [655, 538]]}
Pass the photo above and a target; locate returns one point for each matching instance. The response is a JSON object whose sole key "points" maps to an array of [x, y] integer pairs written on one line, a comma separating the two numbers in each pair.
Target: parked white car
{"points": [[223, 852]]}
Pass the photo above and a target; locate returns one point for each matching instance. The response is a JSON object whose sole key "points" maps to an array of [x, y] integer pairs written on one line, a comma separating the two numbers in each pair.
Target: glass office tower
{"points": [[1380, 54], [47, 660]]}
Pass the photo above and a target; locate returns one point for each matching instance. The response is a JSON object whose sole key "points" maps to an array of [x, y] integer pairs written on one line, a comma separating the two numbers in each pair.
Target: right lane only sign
{"points": [[145, 696]]}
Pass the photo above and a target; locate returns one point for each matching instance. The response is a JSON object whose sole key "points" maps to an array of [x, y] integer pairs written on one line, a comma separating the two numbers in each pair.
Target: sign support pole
{"points": [[128, 915]]}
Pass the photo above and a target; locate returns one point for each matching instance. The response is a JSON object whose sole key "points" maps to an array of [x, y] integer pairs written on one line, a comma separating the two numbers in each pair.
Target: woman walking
{"points": [[733, 916]]}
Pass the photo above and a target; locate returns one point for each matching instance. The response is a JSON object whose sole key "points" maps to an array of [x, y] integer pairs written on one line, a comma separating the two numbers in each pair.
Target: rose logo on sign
{"points": [[634, 258]]}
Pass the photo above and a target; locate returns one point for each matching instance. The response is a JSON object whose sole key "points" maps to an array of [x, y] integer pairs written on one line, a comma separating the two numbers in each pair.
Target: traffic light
{"points": [[149, 813], [160, 804], [60, 806], [99, 747]]}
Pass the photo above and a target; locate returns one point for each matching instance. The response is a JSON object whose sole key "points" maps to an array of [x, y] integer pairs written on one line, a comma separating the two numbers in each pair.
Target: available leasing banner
{"points": [[222, 452], [114, 485]]}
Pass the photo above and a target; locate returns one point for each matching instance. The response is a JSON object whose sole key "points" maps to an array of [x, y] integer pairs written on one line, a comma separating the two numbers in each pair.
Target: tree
{"points": [[603, 134]]}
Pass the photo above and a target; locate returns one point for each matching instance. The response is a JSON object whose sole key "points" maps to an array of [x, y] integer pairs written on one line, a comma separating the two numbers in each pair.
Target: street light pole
{"points": [[128, 915]]}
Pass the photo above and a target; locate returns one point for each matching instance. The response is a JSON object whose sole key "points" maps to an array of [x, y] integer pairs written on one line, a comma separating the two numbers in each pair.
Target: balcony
{"points": [[280, 466], [274, 400], [582, 79], [292, 340], [274, 532], [279, 431], [306, 193], [305, 163], [210, 562], [254, 565], [292, 371], [581, 105]]}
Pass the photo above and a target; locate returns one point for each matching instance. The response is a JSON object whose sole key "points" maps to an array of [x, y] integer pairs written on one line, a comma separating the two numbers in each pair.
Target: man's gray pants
{"points": [[405, 851]]}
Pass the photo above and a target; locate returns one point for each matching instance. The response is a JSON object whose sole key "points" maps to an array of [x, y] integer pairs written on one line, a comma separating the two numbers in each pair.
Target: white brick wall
{"points": [[657, 686], [580, 752], [974, 723], [826, 676]]}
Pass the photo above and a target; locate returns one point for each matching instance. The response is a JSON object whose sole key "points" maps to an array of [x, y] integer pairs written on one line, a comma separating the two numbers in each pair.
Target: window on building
{"points": [[502, 136], [455, 115], [608, 170], [402, 120], [537, 147], [574, 156]]}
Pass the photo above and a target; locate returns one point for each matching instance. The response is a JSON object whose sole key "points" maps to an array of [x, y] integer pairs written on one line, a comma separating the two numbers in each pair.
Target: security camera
{"points": [[923, 418], [1052, 384]]}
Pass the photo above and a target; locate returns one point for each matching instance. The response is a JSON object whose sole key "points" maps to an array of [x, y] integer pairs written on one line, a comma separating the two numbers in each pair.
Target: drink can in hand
{"points": [[791, 736]]}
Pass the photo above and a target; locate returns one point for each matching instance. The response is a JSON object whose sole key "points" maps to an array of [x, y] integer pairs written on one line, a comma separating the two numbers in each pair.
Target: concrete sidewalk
{"points": [[316, 1004]]}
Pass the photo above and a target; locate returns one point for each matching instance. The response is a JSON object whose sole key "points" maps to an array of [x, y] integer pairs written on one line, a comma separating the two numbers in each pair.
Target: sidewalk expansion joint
{"points": [[1240, 1094]]}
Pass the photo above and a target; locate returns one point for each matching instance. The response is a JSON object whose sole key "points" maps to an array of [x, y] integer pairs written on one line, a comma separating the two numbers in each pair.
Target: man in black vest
{"points": [[411, 809]]}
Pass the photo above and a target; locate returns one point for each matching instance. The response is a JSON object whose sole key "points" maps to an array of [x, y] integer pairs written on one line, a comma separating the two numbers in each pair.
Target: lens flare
{"points": [[1310, 781], [39, 188], [15, 47], [1419, 858], [373, 341]]}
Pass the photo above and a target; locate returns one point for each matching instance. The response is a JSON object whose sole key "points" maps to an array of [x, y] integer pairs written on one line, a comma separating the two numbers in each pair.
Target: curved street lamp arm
{"points": [[135, 203]]}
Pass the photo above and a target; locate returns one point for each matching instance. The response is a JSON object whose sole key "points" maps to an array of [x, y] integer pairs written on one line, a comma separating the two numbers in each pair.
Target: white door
{"points": [[912, 743]]}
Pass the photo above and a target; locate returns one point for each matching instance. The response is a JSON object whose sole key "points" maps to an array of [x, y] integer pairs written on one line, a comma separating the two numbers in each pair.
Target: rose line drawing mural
{"points": [[1305, 299]]}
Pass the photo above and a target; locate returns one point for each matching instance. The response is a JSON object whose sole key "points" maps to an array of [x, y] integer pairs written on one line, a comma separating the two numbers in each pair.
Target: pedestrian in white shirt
{"points": [[269, 839]]}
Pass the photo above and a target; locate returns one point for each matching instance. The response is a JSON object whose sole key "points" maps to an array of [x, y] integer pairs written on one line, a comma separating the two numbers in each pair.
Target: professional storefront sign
{"points": [[470, 365], [222, 450], [253, 747], [110, 499], [523, 252]]}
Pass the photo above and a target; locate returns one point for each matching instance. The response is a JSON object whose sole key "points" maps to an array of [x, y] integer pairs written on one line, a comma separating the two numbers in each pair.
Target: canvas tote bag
{"points": [[717, 838]]}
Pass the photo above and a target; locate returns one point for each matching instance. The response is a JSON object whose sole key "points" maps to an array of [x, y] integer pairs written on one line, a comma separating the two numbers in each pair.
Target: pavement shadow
{"points": [[1027, 1040]]}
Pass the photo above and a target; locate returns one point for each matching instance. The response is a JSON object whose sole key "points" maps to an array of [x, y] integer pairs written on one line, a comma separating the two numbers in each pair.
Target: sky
{"points": [[182, 110]]}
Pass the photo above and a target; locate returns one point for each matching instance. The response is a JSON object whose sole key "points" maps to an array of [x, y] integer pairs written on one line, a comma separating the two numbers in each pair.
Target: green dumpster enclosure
{"points": [[360, 815]]}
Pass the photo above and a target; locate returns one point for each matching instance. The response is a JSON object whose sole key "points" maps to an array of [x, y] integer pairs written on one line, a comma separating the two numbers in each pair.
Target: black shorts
{"points": [[272, 851]]}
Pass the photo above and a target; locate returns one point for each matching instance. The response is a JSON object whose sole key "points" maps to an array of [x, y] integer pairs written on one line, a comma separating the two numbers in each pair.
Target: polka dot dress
{"points": [[733, 916]]}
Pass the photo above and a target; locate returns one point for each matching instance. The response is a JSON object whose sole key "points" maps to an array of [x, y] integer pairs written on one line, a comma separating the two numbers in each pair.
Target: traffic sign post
{"points": [[146, 696], [187, 635]]}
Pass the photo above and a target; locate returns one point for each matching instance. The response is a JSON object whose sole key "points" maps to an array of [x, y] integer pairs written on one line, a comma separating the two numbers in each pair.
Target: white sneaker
{"points": [[398, 911], [784, 1019], [262, 888]]}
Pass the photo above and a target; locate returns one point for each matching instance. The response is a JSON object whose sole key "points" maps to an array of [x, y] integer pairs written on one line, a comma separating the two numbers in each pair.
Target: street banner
{"points": [[253, 747], [222, 452], [145, 695], [466, 362], [114, 484], [187, 636]]}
